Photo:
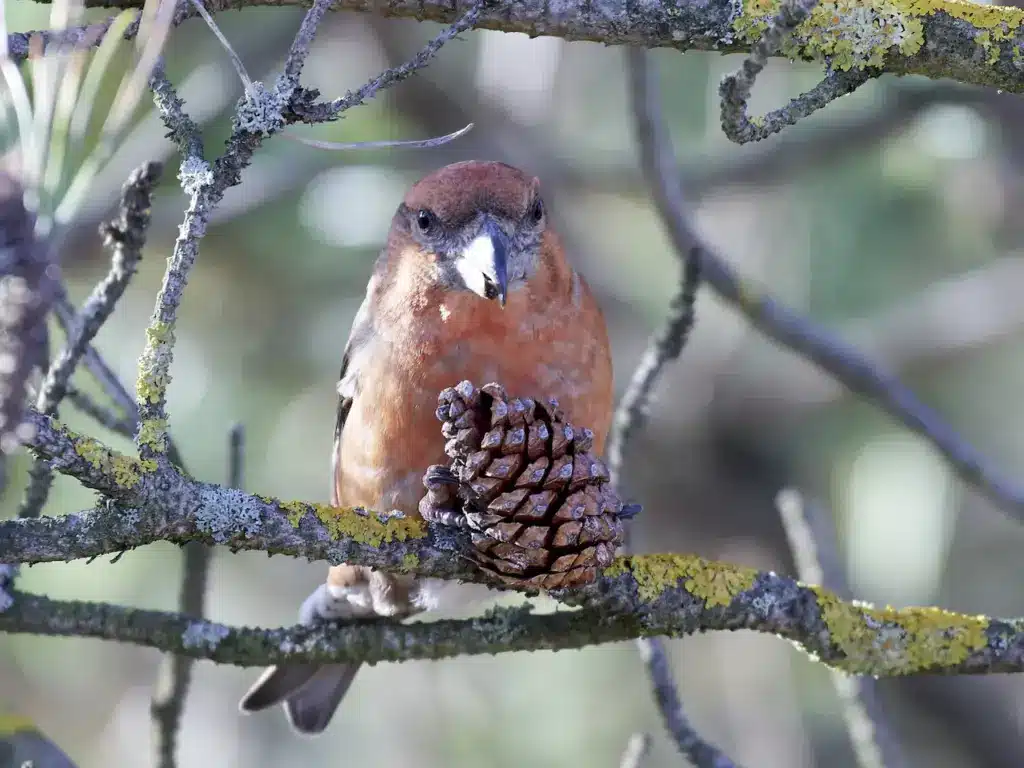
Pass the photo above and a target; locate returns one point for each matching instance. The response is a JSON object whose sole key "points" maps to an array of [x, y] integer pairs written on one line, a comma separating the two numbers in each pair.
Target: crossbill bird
{"points": [[472, 284]]}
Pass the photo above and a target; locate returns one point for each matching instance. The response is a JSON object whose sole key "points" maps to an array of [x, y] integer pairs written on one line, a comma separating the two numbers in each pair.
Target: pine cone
{"points": [[522, 479]]}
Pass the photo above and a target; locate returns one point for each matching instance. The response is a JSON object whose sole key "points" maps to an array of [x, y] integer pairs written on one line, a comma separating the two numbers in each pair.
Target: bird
{"points": [[472, 284]]}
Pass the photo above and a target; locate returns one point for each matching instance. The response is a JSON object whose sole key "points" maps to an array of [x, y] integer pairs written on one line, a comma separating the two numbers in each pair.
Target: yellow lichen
{"points": [[887, 641], [127, 471], [153, 378], [854, 34], [152, 433], [714, 582], [12, 723], [410, 562], [354, 522]]}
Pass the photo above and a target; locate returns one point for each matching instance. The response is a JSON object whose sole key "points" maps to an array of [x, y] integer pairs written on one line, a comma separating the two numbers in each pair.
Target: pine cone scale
{"points": [[538, 504]]}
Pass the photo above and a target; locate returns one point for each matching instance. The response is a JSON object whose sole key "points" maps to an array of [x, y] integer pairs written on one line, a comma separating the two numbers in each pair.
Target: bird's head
{"points": [[479, 224]]}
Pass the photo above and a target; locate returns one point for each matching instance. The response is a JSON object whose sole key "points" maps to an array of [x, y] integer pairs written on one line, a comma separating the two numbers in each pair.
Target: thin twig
{"points": [[840, 360], [323, 112], [812, 540], [735, 89], [93, 361], [125, 237], [636, 750], [168, 703], [665, 346], [702, 753], [343, 146], [101, 414], [236, 60]]}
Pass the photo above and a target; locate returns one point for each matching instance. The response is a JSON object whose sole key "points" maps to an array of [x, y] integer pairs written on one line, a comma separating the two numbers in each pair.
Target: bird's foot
{"points": [[331, 602]]}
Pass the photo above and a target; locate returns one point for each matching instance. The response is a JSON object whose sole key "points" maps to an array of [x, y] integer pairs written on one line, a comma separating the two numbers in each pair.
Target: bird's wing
{"points": [[348, 378]]}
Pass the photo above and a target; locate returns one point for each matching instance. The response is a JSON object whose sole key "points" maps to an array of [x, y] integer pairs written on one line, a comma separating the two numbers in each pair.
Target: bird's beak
{"points": [[487, 255]]}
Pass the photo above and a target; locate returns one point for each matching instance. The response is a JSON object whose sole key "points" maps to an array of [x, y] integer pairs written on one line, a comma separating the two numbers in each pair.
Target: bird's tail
{"points": [[310, 693]]}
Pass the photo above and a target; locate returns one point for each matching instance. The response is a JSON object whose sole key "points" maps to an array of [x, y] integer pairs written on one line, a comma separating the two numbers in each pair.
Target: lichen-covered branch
{"points": [[970, 42], [735, 89], [635, 597], [261, 113], [125, 238], [642, 596]]}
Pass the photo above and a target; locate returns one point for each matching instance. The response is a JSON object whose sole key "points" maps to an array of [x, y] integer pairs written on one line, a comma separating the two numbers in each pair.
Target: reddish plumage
{"points": [[419, 332]]}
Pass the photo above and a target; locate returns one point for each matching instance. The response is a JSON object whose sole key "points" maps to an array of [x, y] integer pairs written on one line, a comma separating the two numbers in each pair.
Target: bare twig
{"points": [[125, 237], [342, 146], [101, 414], [93, 361], [660, 168], [236, 60], [840, 360], [847, 365], [636, 750], [812, 539], [169, 701], [703, 754], [388, 78]]}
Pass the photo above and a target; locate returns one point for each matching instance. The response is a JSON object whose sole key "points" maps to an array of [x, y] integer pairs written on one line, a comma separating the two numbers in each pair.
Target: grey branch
{"points": [[812, 539], [104, 416], [169, 701], [125, 238], [840, 360], [703, 754], [644, 596], [659, 166], [94, 362], [959, 45], [736, 88]]}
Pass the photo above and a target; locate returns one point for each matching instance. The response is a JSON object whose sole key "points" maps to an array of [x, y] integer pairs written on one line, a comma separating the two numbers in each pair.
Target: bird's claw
{"points": [[330, 602], [630, 510], [438, 475]]}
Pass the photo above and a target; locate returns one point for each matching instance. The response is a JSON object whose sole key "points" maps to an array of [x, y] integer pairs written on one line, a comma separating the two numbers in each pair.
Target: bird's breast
{"points": [[392, 435]]}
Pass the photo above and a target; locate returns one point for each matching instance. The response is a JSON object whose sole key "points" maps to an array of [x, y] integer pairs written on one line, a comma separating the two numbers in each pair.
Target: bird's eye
{"points": [[424, 220], [537, 211]]}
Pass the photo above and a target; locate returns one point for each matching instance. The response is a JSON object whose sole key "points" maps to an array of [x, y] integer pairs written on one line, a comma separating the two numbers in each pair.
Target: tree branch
{"points": [[817, 345], [965, 41], [635, 597], [168, 703], [642, 596], [125, 238]]}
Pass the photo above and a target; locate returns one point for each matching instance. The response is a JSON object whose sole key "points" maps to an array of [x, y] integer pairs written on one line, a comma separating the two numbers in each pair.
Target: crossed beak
{"points": [[488, 253]]}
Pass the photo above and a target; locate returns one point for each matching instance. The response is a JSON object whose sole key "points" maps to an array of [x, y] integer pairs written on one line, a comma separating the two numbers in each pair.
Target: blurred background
{"points": [[889, 217]]}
